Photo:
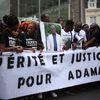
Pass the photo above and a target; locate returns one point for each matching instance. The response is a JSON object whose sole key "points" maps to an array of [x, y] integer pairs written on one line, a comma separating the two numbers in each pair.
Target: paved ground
{"points": [[83, 92]]}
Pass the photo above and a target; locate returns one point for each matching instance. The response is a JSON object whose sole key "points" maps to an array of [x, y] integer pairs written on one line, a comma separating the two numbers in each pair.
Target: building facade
{"points": [[78, 10], [92, 12]]}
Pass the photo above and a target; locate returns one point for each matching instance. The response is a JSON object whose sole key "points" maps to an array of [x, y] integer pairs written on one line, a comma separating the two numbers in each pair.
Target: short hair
{"points": [[78, 23], [53, 27], [59, 19], [84, 25], [10, 20], [43, 16], [69, 23]]}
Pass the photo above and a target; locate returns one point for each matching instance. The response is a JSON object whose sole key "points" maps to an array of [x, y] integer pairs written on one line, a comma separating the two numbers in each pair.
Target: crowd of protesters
{"points": [[19, 36]]}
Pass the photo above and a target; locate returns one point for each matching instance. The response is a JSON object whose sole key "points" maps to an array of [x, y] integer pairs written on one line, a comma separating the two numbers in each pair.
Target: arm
{"points": [[7, 49], [89, 42]]}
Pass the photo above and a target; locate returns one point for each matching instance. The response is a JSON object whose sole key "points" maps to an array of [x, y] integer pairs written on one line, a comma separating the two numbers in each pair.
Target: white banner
{"points": [[29, 73]]}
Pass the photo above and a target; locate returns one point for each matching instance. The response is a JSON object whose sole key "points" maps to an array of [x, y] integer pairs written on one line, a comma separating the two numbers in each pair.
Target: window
{"points": [[92, 0], [92, 3], [93, 19]]}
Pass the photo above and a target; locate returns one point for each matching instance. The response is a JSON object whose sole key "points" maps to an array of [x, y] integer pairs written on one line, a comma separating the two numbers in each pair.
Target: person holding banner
{"points": [[67, 34], [11, 39], [33, 43], [79, 36], [94, 36], [33, 40], [85, 27]]}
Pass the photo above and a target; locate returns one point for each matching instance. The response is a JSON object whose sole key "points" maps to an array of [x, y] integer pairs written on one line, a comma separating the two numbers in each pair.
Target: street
{"points": [[90, 91], [84, 92]]}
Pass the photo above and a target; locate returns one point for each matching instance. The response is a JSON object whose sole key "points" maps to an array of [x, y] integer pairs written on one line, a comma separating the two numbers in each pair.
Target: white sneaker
{"points": [[54, 94], [40, 96]]}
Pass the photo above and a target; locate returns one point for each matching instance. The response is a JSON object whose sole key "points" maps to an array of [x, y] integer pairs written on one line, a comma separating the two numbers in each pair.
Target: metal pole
{"points": [[59, 8], [18, 8], [25, 8], [82, 11], [39, 10], [69, 9]]}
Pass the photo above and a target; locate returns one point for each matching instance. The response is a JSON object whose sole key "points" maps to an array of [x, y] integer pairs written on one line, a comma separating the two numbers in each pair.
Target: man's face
{"points": [[78, 27], [92, 27], [68, 28], [53, 30], [47, 19]]}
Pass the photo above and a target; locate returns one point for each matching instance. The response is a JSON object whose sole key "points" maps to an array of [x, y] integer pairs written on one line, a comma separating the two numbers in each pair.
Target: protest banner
{"points": [[30, 73]]}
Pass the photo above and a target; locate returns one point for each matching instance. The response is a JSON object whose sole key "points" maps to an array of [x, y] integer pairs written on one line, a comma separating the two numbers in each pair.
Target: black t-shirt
{"points": [[9, 41], [30, 42], [33, 41], [97, 36]]}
